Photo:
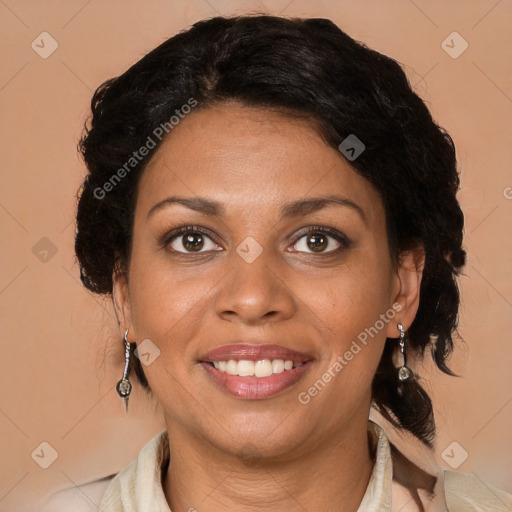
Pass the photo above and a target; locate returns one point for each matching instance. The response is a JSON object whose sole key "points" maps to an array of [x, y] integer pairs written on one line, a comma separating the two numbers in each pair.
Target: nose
{"points": [[255, 293]]}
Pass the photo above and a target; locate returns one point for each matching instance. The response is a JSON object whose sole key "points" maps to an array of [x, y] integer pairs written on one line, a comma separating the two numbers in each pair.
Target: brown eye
{"points": [[317, 242], [320, 241], [187, 240], [193, 241]]}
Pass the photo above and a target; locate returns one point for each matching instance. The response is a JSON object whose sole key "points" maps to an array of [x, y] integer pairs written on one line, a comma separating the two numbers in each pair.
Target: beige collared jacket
{"points": [[396, 484]]}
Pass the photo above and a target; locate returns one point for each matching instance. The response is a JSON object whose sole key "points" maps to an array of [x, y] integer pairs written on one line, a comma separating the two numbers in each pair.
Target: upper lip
{"points": [[255, 352]]}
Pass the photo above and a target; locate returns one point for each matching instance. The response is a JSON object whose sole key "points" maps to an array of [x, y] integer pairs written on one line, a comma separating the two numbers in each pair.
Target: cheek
{"points": [[353, 310], [166, 301], [169, 312], [352, 297], [163, 306]]}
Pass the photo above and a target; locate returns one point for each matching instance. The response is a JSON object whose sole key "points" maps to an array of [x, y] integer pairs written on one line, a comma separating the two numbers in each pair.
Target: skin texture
{"points": [[229, 453]]}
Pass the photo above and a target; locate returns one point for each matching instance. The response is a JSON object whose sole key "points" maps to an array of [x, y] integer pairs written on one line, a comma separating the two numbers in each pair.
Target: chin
{"points": [[262, 435]]}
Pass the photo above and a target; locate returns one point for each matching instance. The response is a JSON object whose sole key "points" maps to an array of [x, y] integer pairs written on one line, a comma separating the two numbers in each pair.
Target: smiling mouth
{"points": [[255, 371], [253, 379], [261, 368]]}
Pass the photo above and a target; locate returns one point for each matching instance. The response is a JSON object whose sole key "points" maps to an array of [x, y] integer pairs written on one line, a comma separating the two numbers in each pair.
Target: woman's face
{"points": [[248, 283]]}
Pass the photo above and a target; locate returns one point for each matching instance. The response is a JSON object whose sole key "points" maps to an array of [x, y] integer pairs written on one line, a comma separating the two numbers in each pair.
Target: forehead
{"points": [[250, 157]]}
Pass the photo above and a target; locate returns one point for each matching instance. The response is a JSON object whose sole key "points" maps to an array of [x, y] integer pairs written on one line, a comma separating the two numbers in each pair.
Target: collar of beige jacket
{"points": [[417, 477]]}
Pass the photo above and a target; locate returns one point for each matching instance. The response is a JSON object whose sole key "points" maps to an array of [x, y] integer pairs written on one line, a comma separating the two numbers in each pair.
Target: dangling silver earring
{"points": [[124, 386], [404, 372]]}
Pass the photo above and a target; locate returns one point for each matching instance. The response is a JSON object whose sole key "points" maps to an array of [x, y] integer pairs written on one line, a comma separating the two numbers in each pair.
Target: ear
{"points": [[121, 298], [407, 300]]}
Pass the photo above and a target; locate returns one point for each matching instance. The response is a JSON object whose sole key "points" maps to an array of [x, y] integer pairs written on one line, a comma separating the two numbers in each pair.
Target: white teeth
{"points": [[261, 368], [245, 368], [232, 367], [277, 366]]}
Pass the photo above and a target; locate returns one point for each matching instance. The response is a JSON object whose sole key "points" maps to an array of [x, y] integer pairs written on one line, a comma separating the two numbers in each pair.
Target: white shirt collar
{"points": [[378, 491], [138, 486]]}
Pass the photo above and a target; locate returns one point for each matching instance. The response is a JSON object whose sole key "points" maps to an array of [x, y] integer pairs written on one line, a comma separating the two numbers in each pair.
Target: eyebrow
{"points": [[291, 210]]}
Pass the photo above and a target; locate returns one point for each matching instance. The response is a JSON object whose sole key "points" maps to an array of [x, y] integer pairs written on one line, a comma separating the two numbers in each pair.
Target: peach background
{"points": [[60, 347]]}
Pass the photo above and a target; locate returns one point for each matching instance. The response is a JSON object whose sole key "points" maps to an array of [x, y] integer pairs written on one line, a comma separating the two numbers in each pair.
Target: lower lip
{"points": [[254, 388]]}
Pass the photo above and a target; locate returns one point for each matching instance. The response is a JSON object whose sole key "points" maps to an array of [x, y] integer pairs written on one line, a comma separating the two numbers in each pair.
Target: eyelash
{"points": [[344, 241]]}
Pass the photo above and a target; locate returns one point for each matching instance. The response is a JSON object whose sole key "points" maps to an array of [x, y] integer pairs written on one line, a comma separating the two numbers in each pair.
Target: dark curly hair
{"points": [[311, 68]]}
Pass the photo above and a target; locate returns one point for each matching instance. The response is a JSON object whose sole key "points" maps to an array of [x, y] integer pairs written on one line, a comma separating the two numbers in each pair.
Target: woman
{"points": [[273, 211]]}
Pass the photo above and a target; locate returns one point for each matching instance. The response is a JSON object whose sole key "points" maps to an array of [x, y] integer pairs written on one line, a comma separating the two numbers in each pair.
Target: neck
{"points": [[325, 476]]}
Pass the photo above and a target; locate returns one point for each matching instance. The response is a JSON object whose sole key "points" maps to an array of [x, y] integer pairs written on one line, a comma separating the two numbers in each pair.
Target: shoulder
{"points": [[82, 498], [138, 486], [467, 493], [106, 493]]}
